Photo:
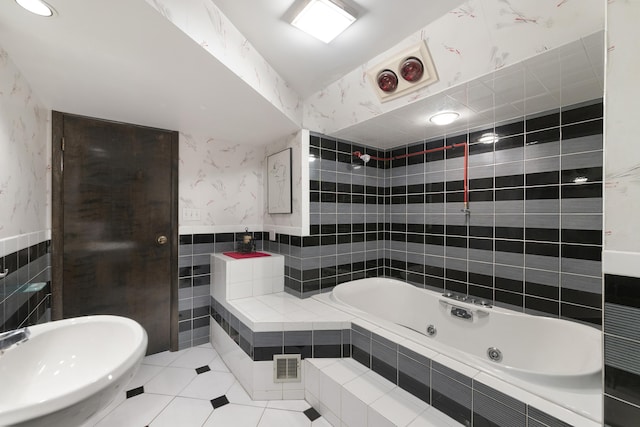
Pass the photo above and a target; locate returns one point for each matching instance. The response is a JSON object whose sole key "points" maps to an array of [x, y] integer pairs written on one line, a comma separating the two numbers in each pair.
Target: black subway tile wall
{"points": [[621, 349], [25, 292], [532, 241]]}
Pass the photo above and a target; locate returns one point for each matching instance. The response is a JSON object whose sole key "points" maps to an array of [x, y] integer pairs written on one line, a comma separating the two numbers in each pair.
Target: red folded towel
{"points": [[240, 255]]}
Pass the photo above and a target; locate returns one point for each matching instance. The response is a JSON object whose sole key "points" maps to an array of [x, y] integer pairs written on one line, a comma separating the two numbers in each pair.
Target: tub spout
{"points": [[461, 313], [8, 339]]}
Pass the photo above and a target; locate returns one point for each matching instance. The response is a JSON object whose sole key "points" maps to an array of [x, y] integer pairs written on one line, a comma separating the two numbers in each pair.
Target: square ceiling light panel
{"points": [[323, 19]]}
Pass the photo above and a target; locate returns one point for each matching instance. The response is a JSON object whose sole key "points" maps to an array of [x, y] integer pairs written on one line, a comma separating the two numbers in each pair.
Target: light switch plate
{"points": [[189, 214]]}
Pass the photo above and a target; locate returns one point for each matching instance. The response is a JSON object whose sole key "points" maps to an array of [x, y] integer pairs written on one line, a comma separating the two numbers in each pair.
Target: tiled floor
{"points": [[194, 388]]}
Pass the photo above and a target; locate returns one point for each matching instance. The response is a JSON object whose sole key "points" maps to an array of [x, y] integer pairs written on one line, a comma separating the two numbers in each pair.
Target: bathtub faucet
{"points": [[461, 313], [7, 339], [468, 299]]}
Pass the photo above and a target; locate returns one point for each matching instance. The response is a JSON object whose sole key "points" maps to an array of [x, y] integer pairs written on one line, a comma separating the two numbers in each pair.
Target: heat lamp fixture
{"points": [[410, 70], [37, 7], [323, 19]]}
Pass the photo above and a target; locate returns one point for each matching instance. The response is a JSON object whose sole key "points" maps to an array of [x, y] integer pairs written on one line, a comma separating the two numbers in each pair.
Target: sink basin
{"points": [[68, 370]]}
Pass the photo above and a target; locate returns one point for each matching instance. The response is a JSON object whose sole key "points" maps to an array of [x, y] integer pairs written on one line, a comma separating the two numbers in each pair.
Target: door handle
{"points": [[162, 240]]}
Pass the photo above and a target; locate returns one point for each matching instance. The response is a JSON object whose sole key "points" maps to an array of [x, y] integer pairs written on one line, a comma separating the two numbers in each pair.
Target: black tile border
{"points": [[32, 309]]}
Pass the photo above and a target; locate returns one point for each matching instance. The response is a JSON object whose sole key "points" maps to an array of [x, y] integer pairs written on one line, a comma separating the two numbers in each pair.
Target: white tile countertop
{"points": [[281, 311]]}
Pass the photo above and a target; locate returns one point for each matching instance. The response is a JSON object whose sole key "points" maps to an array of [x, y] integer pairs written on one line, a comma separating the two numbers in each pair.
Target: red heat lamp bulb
{"points": [[412, 69], [387, 81]]}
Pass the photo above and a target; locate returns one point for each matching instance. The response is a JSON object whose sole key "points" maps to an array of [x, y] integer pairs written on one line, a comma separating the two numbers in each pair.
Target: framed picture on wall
{"points": [[279, 182]]}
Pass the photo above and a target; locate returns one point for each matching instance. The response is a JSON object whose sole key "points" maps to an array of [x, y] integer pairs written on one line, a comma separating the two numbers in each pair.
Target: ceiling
{"points": [[568, 75], [309, 65], [121, 60]]}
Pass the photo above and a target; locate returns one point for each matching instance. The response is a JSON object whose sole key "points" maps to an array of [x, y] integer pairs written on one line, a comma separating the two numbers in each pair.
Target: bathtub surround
{"points": [[621, 255], [385, 361], [25, 292]]}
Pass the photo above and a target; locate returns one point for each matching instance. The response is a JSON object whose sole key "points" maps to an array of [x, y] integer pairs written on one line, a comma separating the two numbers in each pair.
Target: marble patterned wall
{"points": [[211, 29], [621, 256], [24, 172], [24, 201], [223, 182], [478, 37]]}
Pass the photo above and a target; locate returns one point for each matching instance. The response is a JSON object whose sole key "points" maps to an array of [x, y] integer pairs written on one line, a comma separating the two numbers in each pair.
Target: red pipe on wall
{"points": [[359, 155]]}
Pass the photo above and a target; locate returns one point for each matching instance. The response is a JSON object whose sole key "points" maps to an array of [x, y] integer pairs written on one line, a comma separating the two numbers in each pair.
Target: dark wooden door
{"points": [[115, 223]]}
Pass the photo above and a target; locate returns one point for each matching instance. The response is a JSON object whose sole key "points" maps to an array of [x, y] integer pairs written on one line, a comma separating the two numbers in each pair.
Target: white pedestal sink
{"points": [[68, 370]]}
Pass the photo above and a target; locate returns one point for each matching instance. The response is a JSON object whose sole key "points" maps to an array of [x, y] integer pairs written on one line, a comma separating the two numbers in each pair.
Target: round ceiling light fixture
{"points": [[387, 81], [444, 118], [489, 138], [412, 69], [37, 7]]}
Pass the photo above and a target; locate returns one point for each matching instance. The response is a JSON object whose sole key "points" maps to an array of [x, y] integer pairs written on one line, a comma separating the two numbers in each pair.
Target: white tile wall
{"points": [[234, 279]]}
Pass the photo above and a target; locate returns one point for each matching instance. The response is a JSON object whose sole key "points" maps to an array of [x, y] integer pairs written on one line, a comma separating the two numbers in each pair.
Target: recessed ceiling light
{"points": [[36, 6], [489, 138], [444, 118], [323, 19]]}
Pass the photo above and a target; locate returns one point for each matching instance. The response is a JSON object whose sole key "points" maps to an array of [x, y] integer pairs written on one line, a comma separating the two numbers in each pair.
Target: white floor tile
{"points": [[209, 385], [137, 411], [290, 405], [207, 345], [278, 418], [144, 375], [170, 381], [163, 359], [234, 415], [217, 364], [237, 394], [183, 412], [195, 358], [321, 422], [101, 414]]}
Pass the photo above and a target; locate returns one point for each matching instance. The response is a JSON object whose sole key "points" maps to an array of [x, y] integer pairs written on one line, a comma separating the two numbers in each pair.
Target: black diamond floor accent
{"points": [[312, 414], [135, 391], [219, 401], [202, 369]]}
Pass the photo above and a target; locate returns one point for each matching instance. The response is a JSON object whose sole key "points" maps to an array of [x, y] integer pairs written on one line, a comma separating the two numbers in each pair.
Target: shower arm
{"points": [[465, 144]]}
